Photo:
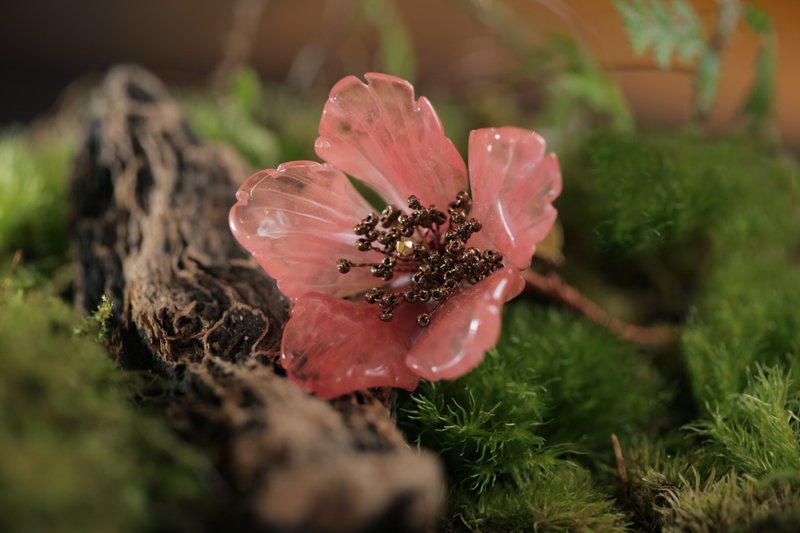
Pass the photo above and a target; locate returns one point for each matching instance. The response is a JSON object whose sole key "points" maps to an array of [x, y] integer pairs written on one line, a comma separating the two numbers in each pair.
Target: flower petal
{"points": [[467, 325], [297, 221], [333, 346], [379, 134], [513, 187]]}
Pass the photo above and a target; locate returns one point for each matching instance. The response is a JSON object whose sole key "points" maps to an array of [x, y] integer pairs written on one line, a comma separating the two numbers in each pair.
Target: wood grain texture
{"points": [[150, 231]]}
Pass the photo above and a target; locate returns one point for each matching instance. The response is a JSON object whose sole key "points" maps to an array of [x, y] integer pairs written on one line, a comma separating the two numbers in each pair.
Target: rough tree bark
{"points": [[150, 232]]}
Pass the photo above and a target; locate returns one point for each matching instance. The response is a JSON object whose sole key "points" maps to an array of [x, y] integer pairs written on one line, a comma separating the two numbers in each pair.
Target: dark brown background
{"points": [[45, 44]]}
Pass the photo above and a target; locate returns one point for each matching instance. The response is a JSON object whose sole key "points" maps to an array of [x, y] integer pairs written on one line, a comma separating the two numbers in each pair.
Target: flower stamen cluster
{"points": [[434, 275], [427, 244]]}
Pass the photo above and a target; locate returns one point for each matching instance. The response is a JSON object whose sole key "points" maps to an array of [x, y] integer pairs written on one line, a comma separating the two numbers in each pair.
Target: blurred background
{"points": [[457, 45]]}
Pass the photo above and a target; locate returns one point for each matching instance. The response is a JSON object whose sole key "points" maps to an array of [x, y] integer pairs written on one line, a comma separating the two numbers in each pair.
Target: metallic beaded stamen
{"points": [[428, 244]]}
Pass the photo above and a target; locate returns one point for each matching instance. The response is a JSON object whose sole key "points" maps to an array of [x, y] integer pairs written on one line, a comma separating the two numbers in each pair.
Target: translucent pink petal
{"points": [[513, 187], [297, 221], [333, 346], [378, 133], [467, 325]]}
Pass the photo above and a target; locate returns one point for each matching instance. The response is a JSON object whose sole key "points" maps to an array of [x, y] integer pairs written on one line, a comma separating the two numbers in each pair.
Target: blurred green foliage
{"points": [[643, 194], [575, 93], [668, 28], [230, 116], [33, 201], [674, 29], [746, 313], [76, 454], [759, 104], [395, 45]]}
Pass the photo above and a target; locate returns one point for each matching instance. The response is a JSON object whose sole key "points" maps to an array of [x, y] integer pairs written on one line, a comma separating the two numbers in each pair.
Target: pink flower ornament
{"points": [[415, 291]]}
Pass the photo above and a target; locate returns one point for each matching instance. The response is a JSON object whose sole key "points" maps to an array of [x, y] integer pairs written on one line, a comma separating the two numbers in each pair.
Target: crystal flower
{"points": [[416, 291]]}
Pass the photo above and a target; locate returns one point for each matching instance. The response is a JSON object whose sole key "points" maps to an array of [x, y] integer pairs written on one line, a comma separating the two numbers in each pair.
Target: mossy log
{"points": [[150, 232]]}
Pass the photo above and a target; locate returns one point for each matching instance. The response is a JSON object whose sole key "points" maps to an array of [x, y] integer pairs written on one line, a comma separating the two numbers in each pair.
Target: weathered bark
{"points": [[150, 232]]}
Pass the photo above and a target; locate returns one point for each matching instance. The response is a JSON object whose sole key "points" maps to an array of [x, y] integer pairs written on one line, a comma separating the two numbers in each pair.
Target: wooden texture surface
{"points": [[150, 231]]}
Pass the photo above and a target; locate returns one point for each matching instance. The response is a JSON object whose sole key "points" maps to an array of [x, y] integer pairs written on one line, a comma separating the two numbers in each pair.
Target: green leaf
{"points": [[246, 89], [759, 103], [707, 82], [758, 20], [667, 29], [581, 94]]}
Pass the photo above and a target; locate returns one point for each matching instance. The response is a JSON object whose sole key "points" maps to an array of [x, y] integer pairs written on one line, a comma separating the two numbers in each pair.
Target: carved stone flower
{"points": [[417, 290]]}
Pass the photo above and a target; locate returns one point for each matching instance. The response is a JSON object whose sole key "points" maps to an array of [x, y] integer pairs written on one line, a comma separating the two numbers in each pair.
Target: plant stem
{"points": [[622, 470], [553, 287], [710, 64]]}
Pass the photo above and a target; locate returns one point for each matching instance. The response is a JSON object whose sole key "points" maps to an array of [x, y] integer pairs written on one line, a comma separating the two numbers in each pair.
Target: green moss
{"points": [[698, 231], [654, 468], [699, 489], [719, 219], [593, 383], [562, 499], [483, 426], [643, 194], [748, 316], [740, 346], [747, 310], [75, 453], [555, 386], [732, 503], [33, 202], [757, 431]]}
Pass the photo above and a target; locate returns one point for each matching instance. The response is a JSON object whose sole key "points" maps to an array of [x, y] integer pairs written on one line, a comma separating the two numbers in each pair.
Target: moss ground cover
{"points": [[681, 228], [709, 429]]}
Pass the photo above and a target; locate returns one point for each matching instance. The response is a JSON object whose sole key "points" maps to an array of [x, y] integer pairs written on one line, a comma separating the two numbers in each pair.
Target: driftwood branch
{"points": [[150, 232]]}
